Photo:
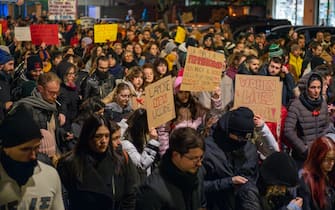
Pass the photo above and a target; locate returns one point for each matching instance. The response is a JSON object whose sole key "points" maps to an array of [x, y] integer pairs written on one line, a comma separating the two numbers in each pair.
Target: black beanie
{"points": [[19, 127], [34, 62], [241, 122], [279, 169]]}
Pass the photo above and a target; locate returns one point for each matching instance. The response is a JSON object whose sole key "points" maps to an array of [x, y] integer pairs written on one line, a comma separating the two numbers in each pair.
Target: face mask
{"points": [[102, 75], [19, 171]]}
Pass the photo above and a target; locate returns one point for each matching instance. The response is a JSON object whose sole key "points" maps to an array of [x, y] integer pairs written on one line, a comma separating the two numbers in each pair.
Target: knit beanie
{"points": [[5, 56], [34, 62], [279, 169], [275, 51], [241, 122], [19, 127]]}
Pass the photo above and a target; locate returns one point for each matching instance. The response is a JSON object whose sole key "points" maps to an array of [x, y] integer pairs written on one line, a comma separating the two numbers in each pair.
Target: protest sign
{"points": [[105, 32], [22, 33], [47, 33], [159, 102], [62, 10], [203, 70], [86, 22], [180, 35], [187, 17], [3, 26], [262, 94]]}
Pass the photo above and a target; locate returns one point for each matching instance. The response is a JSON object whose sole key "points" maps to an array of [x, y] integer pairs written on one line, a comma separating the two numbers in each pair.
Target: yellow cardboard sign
{"points": [[203, 70], [159, 102], [180, 35], [105, 32], [262, 94]]}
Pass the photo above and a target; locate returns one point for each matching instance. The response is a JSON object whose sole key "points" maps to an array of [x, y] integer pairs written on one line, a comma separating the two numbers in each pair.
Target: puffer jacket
{"points": [[302, 125]]}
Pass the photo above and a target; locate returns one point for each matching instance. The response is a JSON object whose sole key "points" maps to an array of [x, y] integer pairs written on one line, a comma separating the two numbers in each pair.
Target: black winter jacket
{"points": [[218, 169], [94, 184], [170, 189]]}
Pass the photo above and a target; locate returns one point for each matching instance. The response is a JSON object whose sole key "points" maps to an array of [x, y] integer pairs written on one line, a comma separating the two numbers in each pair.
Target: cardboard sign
{"points": [[203, 70], [262, 94], [62, 10], [159, 102], [22, 33], [86, 22], [180, 35], [105, 32], [187, 17], [47, 33]]}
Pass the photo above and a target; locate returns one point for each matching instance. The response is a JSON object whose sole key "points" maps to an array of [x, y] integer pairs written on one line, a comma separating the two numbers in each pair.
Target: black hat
{"points": [[19, 127], [63, 68], [241, 122], [34, 62], [279, 169]]}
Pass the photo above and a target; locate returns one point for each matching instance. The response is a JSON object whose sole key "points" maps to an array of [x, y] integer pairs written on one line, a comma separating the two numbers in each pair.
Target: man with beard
{"points": [[6, 69], [25, 183], [101, 82], [176, 183]]}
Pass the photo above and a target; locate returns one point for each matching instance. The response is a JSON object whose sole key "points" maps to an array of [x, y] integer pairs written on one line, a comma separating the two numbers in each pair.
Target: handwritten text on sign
{"points": [[159, 102], [105, 32], [22, 33], [62, 10], [262, 94], [47, 33], [203, 70]]}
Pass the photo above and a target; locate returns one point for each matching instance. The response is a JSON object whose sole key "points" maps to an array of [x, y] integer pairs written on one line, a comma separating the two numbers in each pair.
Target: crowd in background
{"points": [[87, 99]]}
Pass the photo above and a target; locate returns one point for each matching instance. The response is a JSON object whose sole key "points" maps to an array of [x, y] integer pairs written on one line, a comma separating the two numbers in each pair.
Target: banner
{"points": [[22, 33], [262, 94], [105, 32], [62, 10], [47, 33], [180, 35], [159, 102], [203, 70]]}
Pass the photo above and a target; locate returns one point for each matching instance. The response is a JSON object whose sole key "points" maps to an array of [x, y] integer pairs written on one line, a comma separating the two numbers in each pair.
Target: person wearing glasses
{"points": [[25, 182], [95, 175], [69, 101], [230, 166], [176, 184], [100, 82], [43, 104]]}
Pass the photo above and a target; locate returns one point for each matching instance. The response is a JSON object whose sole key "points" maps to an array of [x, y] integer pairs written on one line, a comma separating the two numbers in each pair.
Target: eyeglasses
{"points": [[195, 160]]}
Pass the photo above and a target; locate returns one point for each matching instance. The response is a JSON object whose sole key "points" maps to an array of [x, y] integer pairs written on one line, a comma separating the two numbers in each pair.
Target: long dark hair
{"points": [[138, 129], [82, 149]]}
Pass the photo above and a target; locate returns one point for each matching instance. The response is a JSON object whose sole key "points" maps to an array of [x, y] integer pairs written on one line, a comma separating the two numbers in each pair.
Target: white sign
{"points": [[62, 9], [22, 33]]}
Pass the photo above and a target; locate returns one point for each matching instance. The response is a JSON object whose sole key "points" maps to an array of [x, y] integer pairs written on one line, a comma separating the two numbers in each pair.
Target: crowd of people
{"points": [[74, 131]]}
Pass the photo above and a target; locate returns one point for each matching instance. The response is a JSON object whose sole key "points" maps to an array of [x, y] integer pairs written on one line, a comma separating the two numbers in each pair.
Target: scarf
{"points": [[37, 101], [187, 182], [19, 171], [311, 105]]}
